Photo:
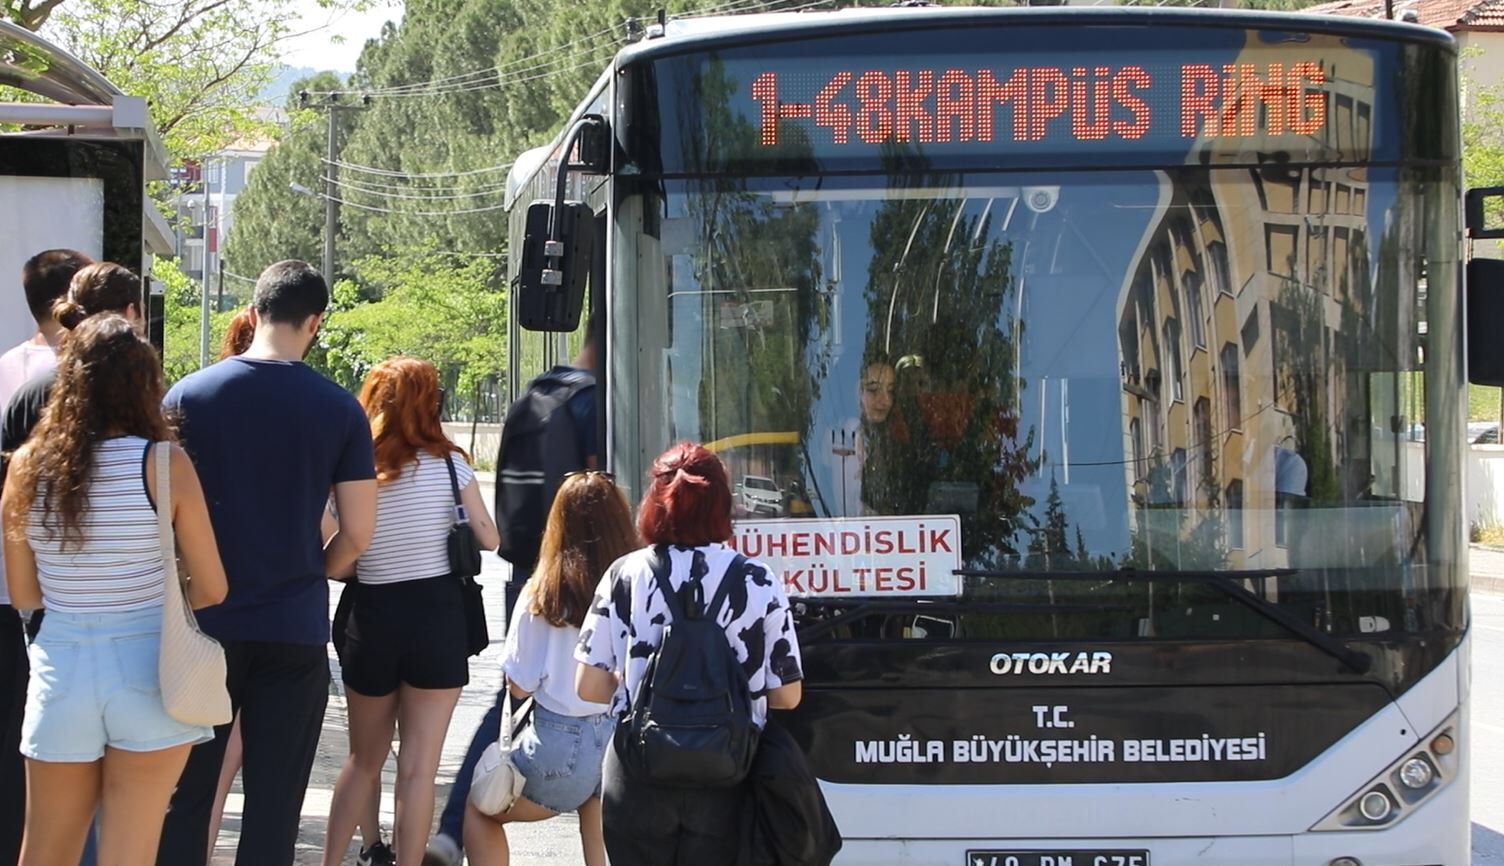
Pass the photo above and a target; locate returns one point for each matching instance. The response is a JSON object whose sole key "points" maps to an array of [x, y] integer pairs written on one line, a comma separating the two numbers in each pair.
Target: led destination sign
{"points": [[1002, 98], [1125, 103]]}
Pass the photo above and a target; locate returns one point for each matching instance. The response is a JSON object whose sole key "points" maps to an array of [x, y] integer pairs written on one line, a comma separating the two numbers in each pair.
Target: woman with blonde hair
{"points": [[406, 654], [81, 542], [560, 752]]}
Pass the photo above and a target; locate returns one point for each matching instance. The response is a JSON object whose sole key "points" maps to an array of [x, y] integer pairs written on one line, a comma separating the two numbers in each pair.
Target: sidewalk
{"points": [[533, 843], [1486, 563]]}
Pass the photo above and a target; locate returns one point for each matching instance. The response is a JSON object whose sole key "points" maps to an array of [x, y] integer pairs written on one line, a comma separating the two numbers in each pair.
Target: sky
{"points": [[315, 50]]}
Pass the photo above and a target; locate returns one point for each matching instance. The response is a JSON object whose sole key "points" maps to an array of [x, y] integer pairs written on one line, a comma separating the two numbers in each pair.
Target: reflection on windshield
{"points": [[1197, 369]]}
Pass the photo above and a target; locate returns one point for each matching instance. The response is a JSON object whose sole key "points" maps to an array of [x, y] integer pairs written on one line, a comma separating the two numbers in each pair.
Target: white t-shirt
{"points": [[626, 619], [539, 658], [413, 514], [17, 367]]}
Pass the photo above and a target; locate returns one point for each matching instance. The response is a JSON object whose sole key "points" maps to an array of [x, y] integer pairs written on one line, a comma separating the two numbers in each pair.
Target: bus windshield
{"points": [[1192, 369]]}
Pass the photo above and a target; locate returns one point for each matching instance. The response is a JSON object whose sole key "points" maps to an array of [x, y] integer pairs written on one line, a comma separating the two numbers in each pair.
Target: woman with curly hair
{"points": [[81, 542], [406, 655]]}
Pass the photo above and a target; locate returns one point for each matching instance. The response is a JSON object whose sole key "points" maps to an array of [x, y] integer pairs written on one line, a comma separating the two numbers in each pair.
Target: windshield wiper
{"points": [[1225, 582]]}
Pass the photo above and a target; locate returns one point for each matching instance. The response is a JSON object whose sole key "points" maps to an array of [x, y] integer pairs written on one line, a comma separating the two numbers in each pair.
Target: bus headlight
{"points": [[1376, 806], [1407, 783], [1416, 774]]}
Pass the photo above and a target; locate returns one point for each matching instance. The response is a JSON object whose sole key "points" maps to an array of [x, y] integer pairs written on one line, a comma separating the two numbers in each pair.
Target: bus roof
{"points": [[682, 35]]}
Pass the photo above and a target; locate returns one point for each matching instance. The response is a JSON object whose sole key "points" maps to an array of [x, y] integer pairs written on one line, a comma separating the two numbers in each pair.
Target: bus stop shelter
{"points": [[76, 154]]}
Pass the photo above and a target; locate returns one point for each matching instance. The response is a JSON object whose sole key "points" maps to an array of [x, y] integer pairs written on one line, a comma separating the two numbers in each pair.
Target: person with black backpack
{"points": [[691, 643], [550, 431]]}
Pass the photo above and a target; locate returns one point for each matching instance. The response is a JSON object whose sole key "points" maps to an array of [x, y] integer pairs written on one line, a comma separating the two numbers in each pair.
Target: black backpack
{"points": [[537, 451], [690, 724]]}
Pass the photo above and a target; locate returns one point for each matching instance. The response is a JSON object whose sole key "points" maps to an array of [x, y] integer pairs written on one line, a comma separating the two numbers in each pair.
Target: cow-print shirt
{"points": [[626, 619]]}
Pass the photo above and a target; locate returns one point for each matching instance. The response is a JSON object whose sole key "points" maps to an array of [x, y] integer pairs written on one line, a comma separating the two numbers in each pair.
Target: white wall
{"points": [[1484, 468], [36, 214], [483, 446]]}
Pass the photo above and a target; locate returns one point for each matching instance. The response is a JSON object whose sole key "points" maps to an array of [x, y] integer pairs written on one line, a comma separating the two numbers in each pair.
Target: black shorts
{"points": [[409, 633]]}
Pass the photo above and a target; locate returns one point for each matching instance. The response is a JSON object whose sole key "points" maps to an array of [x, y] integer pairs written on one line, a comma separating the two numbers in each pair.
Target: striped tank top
{"points": [[118, 567], [413, 514]]}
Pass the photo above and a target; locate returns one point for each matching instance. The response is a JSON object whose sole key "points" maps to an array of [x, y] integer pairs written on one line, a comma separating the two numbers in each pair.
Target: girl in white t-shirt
{"points": [[561, 750]]}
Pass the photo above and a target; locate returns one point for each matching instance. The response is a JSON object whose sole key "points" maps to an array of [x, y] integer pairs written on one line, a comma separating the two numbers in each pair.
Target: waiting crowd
{"points": [[641, 659]]}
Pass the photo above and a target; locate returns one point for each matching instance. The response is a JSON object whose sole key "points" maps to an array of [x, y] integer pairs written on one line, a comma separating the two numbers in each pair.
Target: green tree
{"points": [[272, 222], [449, 311], [199, 63], [180, 321]]}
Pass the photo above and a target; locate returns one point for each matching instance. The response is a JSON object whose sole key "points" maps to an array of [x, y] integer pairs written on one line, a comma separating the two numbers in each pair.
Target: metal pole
{"points": [[203, 313], [331, 212], [1388, 10]]}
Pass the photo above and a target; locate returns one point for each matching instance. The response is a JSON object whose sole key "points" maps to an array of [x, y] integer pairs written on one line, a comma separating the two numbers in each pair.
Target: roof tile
{"points": [[1445, 14]]}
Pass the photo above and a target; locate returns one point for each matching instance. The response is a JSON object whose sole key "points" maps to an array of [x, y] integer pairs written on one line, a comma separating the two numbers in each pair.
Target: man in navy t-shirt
{"points": [[270, 438]]}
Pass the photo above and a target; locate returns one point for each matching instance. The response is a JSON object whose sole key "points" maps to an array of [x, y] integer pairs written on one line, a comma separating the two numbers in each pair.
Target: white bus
{"points": [[1110, 364]]}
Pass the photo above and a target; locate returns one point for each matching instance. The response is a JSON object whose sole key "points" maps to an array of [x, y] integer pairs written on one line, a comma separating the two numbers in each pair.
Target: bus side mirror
{"points": [[551, 282], [1484, 219], [1485, 322]]}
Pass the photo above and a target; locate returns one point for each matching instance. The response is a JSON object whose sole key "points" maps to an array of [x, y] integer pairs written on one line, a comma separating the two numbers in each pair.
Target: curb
{"points": [[1489, 585]]}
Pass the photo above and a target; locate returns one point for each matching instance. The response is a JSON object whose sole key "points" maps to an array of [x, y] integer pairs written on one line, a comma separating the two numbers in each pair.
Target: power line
{"points": [[397, 195], [478, 74], [495, 76], [377, 187], [400, 212], [393, 173]]}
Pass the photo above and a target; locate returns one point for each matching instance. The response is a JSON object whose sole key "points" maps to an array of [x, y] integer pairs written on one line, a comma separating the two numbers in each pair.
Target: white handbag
{"points": [[191, 667], [496, 784]]}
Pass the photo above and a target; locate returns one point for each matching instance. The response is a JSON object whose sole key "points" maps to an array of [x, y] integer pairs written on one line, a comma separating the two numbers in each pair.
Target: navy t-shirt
{"points": [[269, 439]]}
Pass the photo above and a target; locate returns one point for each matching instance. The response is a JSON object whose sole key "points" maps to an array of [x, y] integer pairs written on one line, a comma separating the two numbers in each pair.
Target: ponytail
{"points": [[103, 287], [67, 313]]}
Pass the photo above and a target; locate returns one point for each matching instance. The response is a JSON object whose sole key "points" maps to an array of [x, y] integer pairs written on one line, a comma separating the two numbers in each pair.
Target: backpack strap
{"points": [[736, 571], [661, 568]]}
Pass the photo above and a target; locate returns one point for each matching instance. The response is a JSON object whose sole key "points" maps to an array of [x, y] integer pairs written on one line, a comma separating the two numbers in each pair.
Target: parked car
{"points": [[761, 497]]}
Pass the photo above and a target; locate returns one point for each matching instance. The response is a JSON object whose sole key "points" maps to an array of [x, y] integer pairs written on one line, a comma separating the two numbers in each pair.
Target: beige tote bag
{"points": [[191, 669]]}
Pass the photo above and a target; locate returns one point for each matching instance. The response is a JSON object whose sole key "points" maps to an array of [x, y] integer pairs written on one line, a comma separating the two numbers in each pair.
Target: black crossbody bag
{"points": [[465, 564]]}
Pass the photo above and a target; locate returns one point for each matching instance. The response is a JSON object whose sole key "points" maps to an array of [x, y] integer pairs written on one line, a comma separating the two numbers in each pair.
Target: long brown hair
{"points": [[401, 397], [238, 335], [103, 287], [109, 383], [589, 527]]}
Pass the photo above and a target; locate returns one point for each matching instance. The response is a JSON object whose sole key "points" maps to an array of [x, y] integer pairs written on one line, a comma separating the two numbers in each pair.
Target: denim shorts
{"points": [[561, 756], [94, 684]]}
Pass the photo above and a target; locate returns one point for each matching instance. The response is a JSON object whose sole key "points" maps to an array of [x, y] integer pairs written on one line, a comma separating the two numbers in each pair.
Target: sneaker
{"points": [[376, 855], [442, 851]]}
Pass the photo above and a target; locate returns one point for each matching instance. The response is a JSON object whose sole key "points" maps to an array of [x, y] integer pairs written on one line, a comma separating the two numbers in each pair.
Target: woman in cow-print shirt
{"points": [[686, 518]]}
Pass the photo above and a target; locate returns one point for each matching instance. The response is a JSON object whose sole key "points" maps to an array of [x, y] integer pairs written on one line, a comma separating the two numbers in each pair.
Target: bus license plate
{"points": [[1057, 858]]}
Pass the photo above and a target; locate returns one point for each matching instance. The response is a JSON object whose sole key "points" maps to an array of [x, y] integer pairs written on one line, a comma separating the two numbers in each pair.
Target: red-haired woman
{"points": [[685, 517], [405, 657], [238, 335]]}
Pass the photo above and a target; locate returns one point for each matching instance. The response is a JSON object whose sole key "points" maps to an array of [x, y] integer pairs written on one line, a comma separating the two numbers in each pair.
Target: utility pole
{"points": [[203, 310], [331, 104]]}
